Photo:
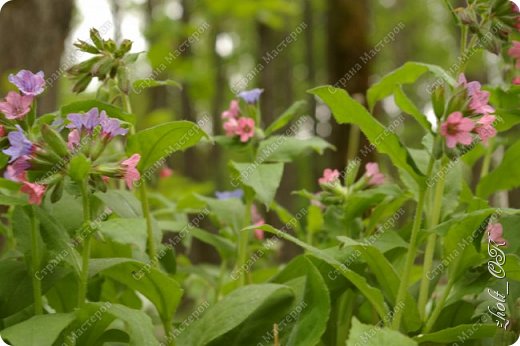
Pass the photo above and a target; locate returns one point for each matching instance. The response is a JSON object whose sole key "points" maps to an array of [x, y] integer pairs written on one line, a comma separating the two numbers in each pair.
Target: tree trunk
{"points": [[348, 26], [32, 36]]}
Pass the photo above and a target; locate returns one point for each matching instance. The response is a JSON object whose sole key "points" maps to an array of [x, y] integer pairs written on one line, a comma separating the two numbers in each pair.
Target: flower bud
{"points": [[96, 39], [54, 140]]}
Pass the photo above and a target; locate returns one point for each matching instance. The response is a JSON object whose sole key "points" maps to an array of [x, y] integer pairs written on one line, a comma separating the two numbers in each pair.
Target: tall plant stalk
{"points": [[85, 254], [35, 263]]}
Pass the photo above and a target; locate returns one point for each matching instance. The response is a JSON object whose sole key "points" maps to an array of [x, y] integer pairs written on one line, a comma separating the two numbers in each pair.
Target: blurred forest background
{"points": [[215, 48]]}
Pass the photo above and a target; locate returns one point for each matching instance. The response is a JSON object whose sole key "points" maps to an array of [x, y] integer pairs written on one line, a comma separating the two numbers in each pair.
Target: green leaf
{"points": [[285, 118], [409, 73], [230, 212], [407, 106], [505, 176], [155, 144], [370, 335], [138, 324], [41, 330], [244, 316], [449, 335], [373, 294], [312, 303], [79, 168], [264, 178], [85, 106], [11, 200], [123, 203], [286, 149], [388, 279], [164, 292], [347, 110], [126, 231]]}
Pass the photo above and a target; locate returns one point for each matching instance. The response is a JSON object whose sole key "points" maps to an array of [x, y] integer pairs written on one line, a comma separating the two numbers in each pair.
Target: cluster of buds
{"points": [[333, 190], [40, 160], [110, 61], [492, 21], [236, 125], [469, 113]]}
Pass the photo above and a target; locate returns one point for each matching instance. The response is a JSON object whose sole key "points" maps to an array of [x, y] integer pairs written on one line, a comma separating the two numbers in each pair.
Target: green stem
{"points": [[430, 245], [353, 142], [410, 257], [243, 242], [486, 163], [438, 308], [85, 254], [152, 251], [168, 330], [35, 264]]}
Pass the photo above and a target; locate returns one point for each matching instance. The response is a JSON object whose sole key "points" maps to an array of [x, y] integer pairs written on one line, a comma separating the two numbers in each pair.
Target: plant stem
{"points": [[152, 252], [35, 263], [243, 241], [353, 142], [85, 254], [486, 163], [168, 330], [410, 257], [430, 245], [438, 308]]}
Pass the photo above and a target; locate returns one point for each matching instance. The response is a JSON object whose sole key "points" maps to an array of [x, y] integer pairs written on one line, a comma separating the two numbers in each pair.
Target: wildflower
{"points": [[516, 80], [16, 106], [485, 129], [20, 145], [514, 52], [232, 112], [251, 96], [329, 176], [238, 193], [28, 83], [495, 234], [35, 192], [457, 129], [73, 139], [17, 170], [87, 121], [375, 177], [231, 126], [479, 102], [165, 172], [471, 86], [111, 127], [131, 173], [246, 129]]}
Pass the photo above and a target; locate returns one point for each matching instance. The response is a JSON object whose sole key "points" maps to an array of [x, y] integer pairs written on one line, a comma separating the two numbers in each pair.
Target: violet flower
{"points": [[28, 83], [238, 193], [251, 96], [20, 145], [111, 127]]}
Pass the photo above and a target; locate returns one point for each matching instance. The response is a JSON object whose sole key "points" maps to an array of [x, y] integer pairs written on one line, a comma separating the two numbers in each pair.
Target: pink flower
{"points": [[73, 139], [485, 129], [374, 175], [246, 129], [2, 131], [516, 10], [131, 173], [35, 192], [495, 232], [233, 110], [231, 127], [516, 80], [329, 176], [17, 170], [479, 102], [16, 106], [471, 86], [457, 129], [165, 172], [514, 52], [105, 179]]}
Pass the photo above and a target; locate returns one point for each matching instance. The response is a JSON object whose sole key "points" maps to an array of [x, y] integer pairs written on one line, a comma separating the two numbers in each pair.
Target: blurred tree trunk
{"points": [[32, 36], [347, 34]]}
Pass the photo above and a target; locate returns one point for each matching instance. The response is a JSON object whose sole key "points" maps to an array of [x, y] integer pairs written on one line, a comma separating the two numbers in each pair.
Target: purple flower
{"points": [[16, 106], [111, 127], [251, 96], [20, 145], [239, 193], [28, 83], [86, 121]]}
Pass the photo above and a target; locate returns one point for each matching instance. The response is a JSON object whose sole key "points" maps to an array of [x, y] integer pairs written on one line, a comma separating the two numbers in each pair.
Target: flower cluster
{"points": [[237, 125], [372, 177], [41, 162], [459, 125]]}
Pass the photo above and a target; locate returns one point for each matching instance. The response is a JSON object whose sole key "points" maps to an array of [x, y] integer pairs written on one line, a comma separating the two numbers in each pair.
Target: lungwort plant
{"points": [[418, 249]]}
